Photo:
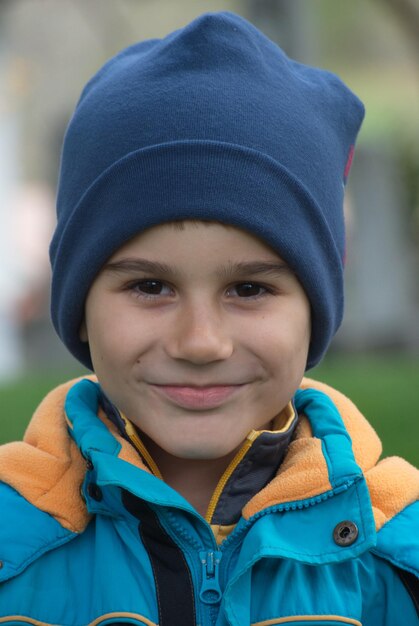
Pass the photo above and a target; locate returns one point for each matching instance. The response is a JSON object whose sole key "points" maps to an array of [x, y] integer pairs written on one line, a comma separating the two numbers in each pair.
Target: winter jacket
{"points": [[90, 536]]}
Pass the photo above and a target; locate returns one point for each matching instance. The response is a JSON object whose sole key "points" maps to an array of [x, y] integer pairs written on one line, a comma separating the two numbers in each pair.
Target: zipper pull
{"points": [[210, 588]]}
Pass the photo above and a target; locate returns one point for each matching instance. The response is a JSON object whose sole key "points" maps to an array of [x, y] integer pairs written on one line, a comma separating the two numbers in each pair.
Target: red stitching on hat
{"points": [[349, 162]]}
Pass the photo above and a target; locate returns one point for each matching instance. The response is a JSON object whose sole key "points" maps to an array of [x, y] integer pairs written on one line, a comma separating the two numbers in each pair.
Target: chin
{"points": [[202, 454]]}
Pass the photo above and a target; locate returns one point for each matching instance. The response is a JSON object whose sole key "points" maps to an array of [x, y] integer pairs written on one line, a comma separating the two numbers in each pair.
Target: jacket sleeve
{"points": [[386, 599], [390, 577], [411, 582]]}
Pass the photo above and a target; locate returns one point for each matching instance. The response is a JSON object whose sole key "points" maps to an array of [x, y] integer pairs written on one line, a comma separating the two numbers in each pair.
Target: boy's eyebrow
{"points": [[243, 269], [137, 265], [251, 268]]}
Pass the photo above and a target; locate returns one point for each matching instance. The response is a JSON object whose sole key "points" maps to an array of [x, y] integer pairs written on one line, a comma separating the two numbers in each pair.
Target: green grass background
{"points": [[386, 390]]}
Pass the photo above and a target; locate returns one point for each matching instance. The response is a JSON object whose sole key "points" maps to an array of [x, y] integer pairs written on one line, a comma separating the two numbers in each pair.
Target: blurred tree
{"points": [[288, 22], [407, 13]]}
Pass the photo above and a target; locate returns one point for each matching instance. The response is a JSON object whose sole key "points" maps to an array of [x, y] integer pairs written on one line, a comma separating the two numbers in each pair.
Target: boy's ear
{"points": [[83, 336]]}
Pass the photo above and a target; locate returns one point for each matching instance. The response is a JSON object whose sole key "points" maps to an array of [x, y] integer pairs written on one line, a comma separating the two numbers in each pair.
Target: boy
{"points": [[197, 269]]}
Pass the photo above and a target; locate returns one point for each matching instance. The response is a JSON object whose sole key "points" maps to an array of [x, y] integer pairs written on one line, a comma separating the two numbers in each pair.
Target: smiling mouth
{"points": [[198, 397]]}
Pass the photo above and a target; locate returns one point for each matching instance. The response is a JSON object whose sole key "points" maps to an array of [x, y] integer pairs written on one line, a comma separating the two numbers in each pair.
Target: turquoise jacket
{"points": [[333, 539]]}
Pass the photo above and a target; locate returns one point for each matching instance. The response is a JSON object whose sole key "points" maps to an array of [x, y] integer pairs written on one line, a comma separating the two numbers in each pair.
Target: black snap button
{"points": [[94, 492], [345, 533], [89, 465]]}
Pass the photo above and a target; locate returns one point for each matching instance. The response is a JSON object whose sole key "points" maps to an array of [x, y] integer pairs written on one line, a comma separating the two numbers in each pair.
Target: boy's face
{"points": [[197, 335]]}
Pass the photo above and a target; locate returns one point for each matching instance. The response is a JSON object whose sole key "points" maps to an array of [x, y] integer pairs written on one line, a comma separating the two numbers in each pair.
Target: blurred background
{"points": [[50, 48]]}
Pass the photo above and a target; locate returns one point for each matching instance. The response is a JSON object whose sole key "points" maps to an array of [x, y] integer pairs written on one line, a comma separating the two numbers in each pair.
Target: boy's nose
{"points": [[199, 336]]}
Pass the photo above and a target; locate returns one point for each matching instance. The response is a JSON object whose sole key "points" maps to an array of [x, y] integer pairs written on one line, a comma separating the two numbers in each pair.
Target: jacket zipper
{"points": [[210, 592]]}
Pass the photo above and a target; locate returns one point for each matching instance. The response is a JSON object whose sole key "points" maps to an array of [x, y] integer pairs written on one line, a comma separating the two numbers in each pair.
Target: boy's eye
{"points": [[150, 287], [249, 290]]}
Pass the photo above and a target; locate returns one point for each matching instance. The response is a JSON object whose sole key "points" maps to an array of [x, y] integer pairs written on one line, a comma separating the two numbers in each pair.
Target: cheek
{"points": [[284, 344], [298, 324], [114, 328], [288, 330]]}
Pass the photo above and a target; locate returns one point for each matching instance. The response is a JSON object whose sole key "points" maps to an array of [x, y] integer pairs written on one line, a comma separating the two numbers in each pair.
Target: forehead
{"points": [[178, 239]]}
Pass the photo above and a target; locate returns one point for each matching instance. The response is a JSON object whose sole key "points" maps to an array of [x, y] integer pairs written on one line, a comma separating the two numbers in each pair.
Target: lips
{"points": [[198, 397]]}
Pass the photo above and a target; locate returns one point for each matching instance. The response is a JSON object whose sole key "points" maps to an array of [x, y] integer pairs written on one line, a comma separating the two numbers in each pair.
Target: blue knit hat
{"points": [[212, 122]]}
